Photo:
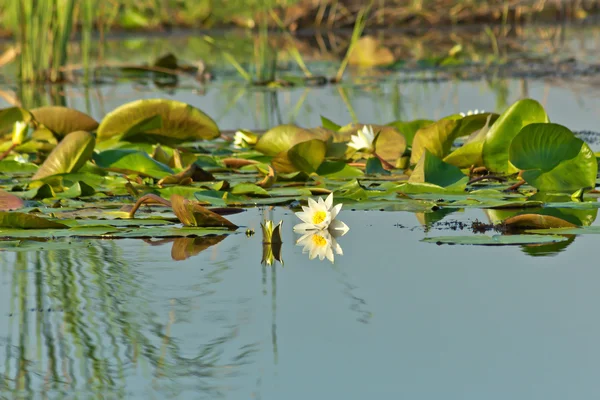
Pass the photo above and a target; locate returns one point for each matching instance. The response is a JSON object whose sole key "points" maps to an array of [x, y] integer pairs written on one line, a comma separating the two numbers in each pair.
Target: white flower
{"points": [[320, 215], [244, 139], [320, 244], [472, 112], [20, 132], [363, 140]]}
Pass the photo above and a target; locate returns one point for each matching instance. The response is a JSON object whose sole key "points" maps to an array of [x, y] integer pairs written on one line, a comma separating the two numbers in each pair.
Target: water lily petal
{"points": [[304, 216], [338, 228], [329, 202], [305, 228], [335, 211]]}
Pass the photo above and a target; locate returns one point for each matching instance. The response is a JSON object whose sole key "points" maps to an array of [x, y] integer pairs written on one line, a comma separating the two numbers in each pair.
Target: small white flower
{"points": [[320, 244], [472, 112], [363, 140], [20, 132], [320, 215]]}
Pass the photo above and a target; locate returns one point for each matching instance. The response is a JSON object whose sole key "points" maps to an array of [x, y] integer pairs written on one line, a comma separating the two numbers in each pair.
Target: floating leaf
{"points": [[26, 221], [68, 156], [502, 133], [180, 122], [9, 201], [132, 161], [79, 189], [249, 189], [338, 170], [63, 120], [553, 159], [496, 240], [374, 167], [431, 169]]}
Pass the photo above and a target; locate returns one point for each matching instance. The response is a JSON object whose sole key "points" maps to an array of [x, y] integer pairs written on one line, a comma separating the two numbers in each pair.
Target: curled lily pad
{"points": [[437, 138], [503, 131], [62, 120], [553, 159], [471, 152], [536, 221], [179, 122], [431, 169], [68, 156]]}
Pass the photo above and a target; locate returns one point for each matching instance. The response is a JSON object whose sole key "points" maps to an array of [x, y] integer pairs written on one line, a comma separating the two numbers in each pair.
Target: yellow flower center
{"points": [[319, 240], [319, 217]]}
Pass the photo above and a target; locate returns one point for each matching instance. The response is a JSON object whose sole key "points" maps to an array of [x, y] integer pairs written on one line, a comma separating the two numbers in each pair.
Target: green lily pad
{"points": [[503, 131], [471, 152], [282, 138], [431, 169], [180, 122], [68, 156], [437, 138], [20, 220], [338, 170], [496, 240], [553, 159], [409, 129], [132, 161], [8, 117], [63, 120]]}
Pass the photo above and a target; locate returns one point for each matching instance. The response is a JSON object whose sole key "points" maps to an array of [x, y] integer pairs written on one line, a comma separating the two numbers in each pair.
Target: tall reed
{"points": [[43, 35]]}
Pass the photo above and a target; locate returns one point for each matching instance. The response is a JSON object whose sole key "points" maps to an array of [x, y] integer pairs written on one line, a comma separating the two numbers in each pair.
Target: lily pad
{"points": [[8, 117], [282, 138], [409, 129], [19, 220], [496, 240], [553, 159], [63, 120], [180, 122], [431, 169], [437, 138], [68, 156], [132, 161], [503, 131]]}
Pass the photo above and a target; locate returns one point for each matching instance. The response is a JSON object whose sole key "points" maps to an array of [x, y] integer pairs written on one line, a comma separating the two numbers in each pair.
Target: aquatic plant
{"points": [[74, 176]]}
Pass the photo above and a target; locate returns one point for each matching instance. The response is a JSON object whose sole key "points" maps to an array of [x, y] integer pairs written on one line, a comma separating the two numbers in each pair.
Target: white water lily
{"points": [[20, 132], [363, 140], [320, 215], [472, 112], [320, 244]]}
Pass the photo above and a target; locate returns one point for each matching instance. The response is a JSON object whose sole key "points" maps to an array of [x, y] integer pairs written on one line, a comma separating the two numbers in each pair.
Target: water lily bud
{"points": [[244, 139], [20, 132]]}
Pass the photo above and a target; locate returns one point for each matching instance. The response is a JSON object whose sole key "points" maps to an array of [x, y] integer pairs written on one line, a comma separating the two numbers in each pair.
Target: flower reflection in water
{"points": [[322, 243]]}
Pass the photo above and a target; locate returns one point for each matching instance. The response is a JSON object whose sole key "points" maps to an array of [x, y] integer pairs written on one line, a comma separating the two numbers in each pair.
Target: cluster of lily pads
{"points": [[65, 174]]}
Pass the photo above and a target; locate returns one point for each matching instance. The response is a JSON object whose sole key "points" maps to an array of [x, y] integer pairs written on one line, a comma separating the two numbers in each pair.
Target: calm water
{"points": [[392, 318]]}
